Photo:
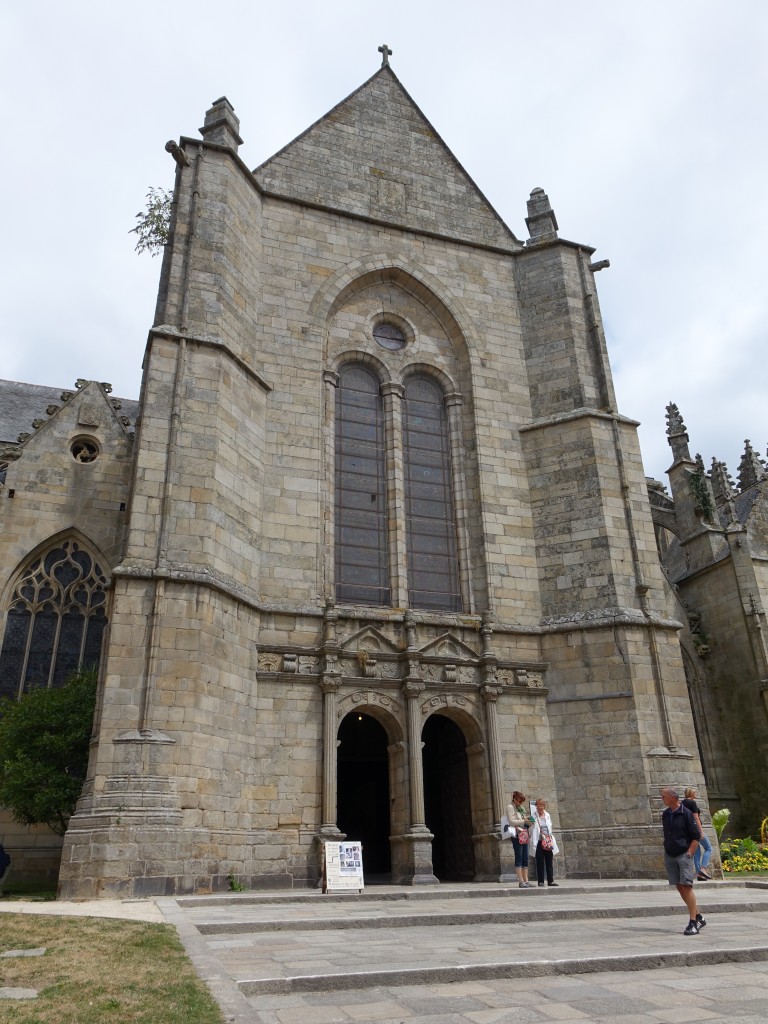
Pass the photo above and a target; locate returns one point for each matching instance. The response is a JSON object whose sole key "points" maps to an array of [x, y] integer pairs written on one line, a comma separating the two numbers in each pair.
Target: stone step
{"points": [[395, 893], [457, 973], [448, 918]]}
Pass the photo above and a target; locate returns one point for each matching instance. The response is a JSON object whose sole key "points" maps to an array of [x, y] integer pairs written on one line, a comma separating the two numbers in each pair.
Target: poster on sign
{"points": [[343, 867]]}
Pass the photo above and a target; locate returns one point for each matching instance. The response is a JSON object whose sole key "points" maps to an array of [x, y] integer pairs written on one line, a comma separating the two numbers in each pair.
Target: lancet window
{"points": [[56, 619], [384, 514], [429, 506], [362, 574]]}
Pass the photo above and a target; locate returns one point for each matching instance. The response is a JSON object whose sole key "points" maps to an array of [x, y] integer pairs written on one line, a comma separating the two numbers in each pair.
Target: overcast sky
{"points": [[645, 123]]}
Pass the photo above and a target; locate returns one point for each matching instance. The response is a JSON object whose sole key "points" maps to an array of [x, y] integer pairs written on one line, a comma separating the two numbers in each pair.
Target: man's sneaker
{"points": [[700, 922], [703, 877], [692, 929]]}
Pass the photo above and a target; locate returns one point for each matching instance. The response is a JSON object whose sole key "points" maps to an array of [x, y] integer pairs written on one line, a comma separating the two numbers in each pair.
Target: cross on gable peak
{"points": [[386, 53]]}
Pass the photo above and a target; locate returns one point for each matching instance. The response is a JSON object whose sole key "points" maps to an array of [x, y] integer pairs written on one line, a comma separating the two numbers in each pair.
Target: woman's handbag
{"points": [[523, 836], [547, 842]]}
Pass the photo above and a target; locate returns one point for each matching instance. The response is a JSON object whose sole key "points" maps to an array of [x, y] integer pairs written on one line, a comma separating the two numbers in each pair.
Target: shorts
{"points": [[680, 870]]}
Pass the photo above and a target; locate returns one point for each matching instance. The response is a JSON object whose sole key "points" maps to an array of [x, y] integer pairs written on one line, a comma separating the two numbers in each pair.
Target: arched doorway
{"points": [[363, 791], [447, 804]]}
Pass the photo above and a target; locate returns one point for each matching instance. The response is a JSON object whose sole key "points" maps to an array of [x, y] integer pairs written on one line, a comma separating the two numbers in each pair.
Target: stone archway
{"points": [[447, 799], [363, 791]]}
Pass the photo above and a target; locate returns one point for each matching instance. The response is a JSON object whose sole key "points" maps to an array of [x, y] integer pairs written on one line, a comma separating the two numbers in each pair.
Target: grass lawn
{"points": [[99, 971]]}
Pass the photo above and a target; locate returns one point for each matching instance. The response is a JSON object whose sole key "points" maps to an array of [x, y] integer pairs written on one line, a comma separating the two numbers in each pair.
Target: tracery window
{"points": [[429, 506], [56, 619], [372, 499], [362, 574]]}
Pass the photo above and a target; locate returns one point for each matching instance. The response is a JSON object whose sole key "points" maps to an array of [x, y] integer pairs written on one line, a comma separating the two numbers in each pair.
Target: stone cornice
{"points": [[174, 334], [577, 414]]}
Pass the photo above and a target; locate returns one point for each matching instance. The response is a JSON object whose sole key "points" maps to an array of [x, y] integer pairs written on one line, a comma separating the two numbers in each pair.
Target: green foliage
{"points": [[154, 225], [701, 494], [744, 855], [764, 831], [44, 740], [720, 820], [234, 885]]}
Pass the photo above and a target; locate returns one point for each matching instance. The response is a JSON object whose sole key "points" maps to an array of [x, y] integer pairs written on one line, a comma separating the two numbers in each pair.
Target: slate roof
{"points": [[21, 403]]}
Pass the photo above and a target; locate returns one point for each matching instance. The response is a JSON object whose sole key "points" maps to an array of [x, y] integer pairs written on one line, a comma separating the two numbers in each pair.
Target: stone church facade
{"points": [[376, 549], [712, 535]]}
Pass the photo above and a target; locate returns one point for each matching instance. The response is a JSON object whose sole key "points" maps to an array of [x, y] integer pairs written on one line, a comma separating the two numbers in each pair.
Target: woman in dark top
{"points": [[703, 852]]}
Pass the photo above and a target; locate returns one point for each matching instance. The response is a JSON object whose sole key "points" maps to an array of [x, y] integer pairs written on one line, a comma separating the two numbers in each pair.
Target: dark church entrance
{"points": [[446, 800], [363, 791]]}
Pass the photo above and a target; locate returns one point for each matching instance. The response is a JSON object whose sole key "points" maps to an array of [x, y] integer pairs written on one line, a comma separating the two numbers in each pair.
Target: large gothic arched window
{"points": [[395, 519], [56, 619], [362, 572], [429, 505]]}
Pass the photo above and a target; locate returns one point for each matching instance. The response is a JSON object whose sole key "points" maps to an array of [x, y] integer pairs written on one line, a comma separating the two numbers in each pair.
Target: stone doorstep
{"points": [[418, 893], [490, 972], [441, 920]]}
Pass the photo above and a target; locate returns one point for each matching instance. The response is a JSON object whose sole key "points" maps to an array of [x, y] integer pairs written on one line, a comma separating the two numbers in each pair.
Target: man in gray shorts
{"points": [[681, 837]]}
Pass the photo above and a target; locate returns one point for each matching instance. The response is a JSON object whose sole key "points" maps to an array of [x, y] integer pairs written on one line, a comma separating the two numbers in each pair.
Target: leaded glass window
{"points": [[362, 572], [55, 621], [429, 505]]}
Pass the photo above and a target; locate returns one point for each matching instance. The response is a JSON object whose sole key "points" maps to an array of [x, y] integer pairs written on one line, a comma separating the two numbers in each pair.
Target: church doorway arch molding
{"points": [[455, 791], [371, 796]]}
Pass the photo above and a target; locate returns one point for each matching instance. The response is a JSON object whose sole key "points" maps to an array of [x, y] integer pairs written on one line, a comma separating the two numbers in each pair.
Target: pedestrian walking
{"points": [[681, 837]]}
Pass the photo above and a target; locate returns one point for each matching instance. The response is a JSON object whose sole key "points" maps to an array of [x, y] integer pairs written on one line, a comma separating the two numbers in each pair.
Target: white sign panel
{"points": [[343, 867]]}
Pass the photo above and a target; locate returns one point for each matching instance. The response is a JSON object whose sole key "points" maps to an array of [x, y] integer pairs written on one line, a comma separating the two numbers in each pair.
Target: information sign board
{"points": [[343, 868]]}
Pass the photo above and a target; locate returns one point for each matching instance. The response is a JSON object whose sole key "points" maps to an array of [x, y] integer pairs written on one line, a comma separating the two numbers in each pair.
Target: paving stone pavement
{"points": [[596, 951]]}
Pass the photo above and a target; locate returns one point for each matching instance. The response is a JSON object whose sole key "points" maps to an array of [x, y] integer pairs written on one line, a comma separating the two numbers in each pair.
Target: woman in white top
{"points": [[543, 843]]}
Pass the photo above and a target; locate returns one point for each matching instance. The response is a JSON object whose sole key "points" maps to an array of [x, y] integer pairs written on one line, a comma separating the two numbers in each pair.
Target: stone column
{"points": [[412, 852], [393, 393], [490, 695], [453, 405], [329, 684], [494, 858], [413, 690]]}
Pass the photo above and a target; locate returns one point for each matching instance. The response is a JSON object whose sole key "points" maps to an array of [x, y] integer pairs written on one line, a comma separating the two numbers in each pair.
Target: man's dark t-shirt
{"points": [[680, 829]]}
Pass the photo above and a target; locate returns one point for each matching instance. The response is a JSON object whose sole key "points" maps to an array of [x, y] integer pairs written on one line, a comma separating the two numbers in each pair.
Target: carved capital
{"points": [[412, 688], [330, 683], [393, 388], [331, 377], [490, 694]]}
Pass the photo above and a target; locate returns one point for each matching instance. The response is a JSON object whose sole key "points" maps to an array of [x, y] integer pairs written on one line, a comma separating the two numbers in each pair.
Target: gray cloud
{"points": [[644, 123]]}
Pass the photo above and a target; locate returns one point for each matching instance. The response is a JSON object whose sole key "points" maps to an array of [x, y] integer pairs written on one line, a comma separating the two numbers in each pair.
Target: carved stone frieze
{"points": [[269, 662], [359, 699], [309, 665], [290, 663], [444, 700]]}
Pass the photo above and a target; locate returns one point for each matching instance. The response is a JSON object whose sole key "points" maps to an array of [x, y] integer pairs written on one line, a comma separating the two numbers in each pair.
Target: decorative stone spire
{"points": [[751, 468], [722, 488], [722, 484], [222, 126], [541, 220], [676, 434]]}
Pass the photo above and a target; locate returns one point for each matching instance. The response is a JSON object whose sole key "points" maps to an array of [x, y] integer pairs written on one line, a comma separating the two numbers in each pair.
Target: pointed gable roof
{"points": [[376, 156]]}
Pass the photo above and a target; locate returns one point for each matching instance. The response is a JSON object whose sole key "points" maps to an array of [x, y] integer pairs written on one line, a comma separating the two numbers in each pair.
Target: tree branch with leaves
{"points": [[153, 229]]}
